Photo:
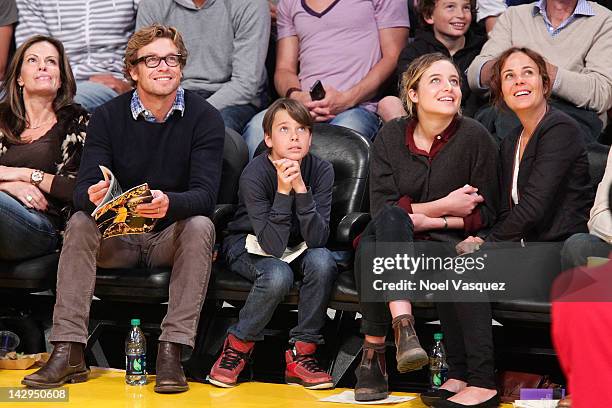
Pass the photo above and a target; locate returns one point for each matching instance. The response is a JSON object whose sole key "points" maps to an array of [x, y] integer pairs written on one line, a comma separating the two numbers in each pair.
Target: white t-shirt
{"points": [[489, 8]]}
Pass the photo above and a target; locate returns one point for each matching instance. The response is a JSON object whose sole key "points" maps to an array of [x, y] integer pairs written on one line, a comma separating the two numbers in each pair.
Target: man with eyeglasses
{"points": [[173, 140]]}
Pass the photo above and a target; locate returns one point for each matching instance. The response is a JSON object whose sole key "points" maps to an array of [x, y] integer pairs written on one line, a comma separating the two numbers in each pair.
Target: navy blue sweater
{"points": [[181, 157], [280, 220]]}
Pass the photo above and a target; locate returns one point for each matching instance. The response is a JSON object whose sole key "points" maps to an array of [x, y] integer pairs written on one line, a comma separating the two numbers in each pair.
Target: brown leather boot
{"points": [[372, 380], [66, 365], [410, 355], [169, 377]]}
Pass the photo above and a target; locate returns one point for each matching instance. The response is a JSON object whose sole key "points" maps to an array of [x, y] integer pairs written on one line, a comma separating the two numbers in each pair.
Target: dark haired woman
{"points": [[545, 185], [545, 170], [41, 138]]}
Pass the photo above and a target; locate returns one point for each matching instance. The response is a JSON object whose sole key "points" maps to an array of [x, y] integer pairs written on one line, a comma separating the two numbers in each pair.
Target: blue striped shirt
{"points": [[138, 108], [582, 9], [94, 32]]}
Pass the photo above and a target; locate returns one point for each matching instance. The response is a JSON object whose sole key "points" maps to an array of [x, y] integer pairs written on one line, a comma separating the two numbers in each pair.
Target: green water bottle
{"points": [[135, 355]]}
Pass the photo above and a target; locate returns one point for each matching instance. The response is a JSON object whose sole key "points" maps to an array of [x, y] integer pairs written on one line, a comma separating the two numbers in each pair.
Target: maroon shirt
{"points": [[472, 222]]}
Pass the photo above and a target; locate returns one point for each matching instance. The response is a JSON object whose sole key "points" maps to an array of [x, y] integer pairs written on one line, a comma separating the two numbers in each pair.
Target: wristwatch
{"points": [[37, 177]]}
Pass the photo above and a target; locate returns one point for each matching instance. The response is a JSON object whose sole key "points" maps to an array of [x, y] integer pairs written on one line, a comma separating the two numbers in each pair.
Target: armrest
{"points": [[350, 226], [222, 215]]}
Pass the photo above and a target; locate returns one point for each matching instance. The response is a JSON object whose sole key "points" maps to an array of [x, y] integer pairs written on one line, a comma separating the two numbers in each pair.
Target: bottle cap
{"points": [[438, 336], [135, 322]]}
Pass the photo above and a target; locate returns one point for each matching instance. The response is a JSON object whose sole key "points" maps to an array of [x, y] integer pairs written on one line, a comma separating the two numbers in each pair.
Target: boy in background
{"points": [[285, 199], [447, 31]]}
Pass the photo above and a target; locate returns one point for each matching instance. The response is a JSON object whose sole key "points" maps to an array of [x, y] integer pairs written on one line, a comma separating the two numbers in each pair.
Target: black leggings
{"points": [[466, 326], [392, 224], [468, 338]]}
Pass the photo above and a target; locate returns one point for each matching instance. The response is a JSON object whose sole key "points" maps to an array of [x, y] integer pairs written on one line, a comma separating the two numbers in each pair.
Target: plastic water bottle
{"points": [[135, 355], [438, 369], [8, 342]]}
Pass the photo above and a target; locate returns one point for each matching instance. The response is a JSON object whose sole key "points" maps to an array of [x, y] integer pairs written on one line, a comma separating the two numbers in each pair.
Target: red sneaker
{"points": [[231, 362], [303, 368]]}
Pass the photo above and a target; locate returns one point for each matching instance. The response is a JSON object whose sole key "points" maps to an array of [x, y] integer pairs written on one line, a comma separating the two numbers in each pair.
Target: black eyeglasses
{"points": [[153, 61]]}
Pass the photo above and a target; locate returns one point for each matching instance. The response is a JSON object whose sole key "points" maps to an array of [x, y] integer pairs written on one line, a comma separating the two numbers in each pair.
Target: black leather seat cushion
{"points": [[133, 284], [235, 157], [522, 311], [523, 306], [32, 274]]}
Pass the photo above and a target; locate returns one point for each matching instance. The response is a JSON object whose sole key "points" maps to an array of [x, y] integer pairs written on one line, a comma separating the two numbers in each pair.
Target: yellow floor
{"points": [[107, 389]]}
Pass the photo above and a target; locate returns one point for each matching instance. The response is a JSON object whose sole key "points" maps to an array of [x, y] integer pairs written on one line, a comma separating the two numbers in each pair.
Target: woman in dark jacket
{"points": [[545, 181], [42, 133], [551, 197], [545, 187]]}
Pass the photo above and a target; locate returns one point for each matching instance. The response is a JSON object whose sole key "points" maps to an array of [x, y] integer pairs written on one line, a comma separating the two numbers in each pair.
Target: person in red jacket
{"points": [[582, 333]]}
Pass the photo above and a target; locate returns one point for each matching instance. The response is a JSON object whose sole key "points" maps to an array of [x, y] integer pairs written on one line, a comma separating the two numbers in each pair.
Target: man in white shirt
{"points": [[94, 34]]}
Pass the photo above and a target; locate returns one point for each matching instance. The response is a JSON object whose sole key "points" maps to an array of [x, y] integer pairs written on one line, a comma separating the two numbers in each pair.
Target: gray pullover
{"points": [[227, 42]]}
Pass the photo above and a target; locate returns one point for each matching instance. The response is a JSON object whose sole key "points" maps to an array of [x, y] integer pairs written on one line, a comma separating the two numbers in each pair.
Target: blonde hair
{"points": [[413, 74], [146, 36]]}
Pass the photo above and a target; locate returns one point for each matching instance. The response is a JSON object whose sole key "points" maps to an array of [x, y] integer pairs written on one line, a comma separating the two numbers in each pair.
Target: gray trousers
{"points": [[186, 246]]}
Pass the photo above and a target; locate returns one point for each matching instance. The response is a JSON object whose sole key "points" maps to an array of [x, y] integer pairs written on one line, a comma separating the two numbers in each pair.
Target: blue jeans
{"points": [[235, 116], [360, 120], [579, 247], [24, 233], [90, 94], [272, 280]]}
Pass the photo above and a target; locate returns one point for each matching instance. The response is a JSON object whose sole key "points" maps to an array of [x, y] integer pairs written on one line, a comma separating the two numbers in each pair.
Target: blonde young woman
{"points": [[434, 178], [41, 138]]}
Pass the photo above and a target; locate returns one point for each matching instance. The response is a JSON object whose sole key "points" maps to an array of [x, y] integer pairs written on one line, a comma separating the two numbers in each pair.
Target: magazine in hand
{"points": [[116, 214]]}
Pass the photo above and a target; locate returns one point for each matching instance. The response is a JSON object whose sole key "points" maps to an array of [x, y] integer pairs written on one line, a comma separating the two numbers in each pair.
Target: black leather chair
{"points": [[32, 275]]}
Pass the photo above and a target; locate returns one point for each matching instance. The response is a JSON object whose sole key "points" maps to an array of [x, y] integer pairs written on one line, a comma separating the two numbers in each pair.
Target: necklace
{"points": [[40, 124]]}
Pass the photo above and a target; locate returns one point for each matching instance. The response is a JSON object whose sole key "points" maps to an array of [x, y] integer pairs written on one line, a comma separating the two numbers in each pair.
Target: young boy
{"points": [[285, 199], [446, 30]]}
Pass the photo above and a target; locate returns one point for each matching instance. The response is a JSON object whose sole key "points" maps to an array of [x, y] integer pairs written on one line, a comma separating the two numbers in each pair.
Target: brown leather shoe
{"points": [[410, 354], [372, 380], [66, 365], [169, 377], [565, 402]]}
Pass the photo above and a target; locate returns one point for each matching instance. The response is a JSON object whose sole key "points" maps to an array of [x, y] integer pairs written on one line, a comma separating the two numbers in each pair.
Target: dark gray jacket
{"points": [[554, 185], [280, 220]]}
